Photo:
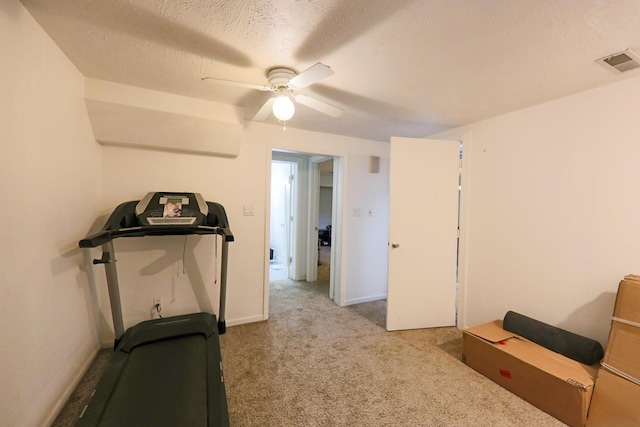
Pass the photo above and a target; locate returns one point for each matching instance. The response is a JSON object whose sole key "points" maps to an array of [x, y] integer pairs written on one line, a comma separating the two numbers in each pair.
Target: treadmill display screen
{"points": [[172, 209]]}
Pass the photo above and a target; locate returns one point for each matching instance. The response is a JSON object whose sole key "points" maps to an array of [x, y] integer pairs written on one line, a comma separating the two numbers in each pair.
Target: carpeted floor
{"points": [[316, 364]]}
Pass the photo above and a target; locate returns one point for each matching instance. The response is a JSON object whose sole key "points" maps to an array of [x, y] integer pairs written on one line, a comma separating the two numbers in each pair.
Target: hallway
{"points": [[278, 271]]}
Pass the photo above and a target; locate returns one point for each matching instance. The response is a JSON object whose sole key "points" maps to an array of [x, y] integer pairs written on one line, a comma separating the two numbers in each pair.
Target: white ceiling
{"points": [[402, 67]]}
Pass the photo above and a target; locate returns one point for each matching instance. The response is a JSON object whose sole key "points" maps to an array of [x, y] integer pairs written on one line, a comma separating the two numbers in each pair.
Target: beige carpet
{"points": [[316, 364]]}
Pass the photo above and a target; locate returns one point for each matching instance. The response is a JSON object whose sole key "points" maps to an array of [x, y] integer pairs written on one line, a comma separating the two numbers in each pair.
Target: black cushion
{"points": [[573, 346]]}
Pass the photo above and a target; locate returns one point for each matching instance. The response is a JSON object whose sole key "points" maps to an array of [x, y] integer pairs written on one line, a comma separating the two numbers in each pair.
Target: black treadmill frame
{"points": [[123, 223]]}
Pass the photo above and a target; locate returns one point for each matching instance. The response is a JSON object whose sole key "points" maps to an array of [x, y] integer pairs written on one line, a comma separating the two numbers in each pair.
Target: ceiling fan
{"points": [[285, 82]]}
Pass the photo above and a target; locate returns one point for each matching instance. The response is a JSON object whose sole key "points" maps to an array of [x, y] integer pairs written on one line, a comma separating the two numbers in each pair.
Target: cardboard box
{"points": [[615, 402], [628, 300], [623, 351], [554, 383]]}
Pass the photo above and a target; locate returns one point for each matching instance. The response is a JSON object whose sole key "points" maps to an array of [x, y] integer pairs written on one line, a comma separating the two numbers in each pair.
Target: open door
{"points": [[423, 232], [282, 221]]}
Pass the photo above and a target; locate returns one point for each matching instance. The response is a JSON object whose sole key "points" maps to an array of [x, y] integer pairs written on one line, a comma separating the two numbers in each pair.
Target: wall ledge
{"points": [[130, 116]]}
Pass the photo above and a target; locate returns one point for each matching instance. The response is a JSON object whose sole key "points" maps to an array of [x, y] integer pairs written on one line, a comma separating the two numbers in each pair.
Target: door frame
{"points": [[299, 192], [314, 208], [305, 228], [290, 217], [336, 210], [465, 138]]}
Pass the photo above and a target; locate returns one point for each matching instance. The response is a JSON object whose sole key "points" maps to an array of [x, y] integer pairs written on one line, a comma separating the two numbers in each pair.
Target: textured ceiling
{"points": [[402, 67]]}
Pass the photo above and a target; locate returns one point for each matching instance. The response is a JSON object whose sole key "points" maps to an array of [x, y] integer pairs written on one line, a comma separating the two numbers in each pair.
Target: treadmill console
{"points": [[172, 209]]}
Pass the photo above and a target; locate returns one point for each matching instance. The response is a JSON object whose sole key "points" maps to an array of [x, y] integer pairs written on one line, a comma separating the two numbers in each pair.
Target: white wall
{"points": [[551, 208], [49, 187], [366, 239], [362, 261], [153, 266]]}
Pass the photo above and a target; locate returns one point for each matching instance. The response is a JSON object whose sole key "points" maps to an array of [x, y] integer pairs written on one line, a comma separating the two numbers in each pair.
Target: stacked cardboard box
{"points": [[617, 389]]}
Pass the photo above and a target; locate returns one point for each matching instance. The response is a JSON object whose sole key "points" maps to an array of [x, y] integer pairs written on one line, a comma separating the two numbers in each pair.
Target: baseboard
{"points": [[106, 345], [243, 320], [64, 396], [365, 299]]}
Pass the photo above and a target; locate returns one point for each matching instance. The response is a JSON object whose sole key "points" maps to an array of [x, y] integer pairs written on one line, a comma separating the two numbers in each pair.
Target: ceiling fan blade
{"points": [[318, 105], [309, 76], [238, 84], [265, 110]]}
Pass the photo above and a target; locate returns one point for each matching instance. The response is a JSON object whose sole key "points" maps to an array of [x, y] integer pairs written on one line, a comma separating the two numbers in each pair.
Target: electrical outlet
{"points": [[156, 308]]}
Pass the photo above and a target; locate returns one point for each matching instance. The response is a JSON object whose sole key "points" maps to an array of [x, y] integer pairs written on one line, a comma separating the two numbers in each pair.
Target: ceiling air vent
{"points": [[621, 61]]}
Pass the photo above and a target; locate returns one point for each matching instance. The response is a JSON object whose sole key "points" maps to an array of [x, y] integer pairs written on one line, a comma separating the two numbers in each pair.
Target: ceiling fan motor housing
{"points": [[279, 77]]}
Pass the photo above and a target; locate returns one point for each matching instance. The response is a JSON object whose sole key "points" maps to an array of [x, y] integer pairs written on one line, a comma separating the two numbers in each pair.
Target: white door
{"points": [[423, 230], [283, 213]]}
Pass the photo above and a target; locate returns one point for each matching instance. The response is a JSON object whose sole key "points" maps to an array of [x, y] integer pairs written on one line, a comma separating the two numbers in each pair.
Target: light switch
{"points": [[247, 210], [356, 212]]}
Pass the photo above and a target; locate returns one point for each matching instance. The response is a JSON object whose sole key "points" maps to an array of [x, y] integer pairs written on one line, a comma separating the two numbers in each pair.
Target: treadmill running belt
{"points": [[165, 372], [176, 365]]}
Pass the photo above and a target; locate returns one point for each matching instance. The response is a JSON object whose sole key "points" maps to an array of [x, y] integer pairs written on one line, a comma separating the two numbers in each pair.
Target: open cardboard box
{"points": [[628, 300], [554, 383], [615, 402]]}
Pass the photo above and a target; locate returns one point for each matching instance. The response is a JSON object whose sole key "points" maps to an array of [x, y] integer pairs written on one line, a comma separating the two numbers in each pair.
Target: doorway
{"points": [[322, 217], [282, 224], [302, 218]]}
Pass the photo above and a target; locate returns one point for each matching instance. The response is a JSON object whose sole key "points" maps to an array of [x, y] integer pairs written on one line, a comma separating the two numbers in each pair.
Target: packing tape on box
{"points": [[619, 373], [625, 321]]}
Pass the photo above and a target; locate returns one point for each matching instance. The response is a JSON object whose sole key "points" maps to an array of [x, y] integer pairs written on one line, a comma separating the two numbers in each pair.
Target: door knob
{"points": [[395, 245]]}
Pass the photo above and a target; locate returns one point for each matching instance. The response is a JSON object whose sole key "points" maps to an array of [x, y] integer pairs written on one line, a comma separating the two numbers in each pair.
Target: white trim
{"points": [[243, 320], [463, 251], [300, 191], [338, 220], [63, 397], [312, 229], [464, 136], [365, 299], [267, 228]]}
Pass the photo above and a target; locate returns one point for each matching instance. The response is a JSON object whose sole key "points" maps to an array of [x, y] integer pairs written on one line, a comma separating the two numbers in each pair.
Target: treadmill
{"points": [[167, 371]]}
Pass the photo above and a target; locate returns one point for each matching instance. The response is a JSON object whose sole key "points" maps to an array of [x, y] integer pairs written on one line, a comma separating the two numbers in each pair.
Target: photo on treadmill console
{"points": [[173, 208]]}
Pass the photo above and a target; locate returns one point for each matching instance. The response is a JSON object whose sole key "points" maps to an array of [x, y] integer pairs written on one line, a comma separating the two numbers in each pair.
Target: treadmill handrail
{"points": [[124, 222], [104, 236], [125, 212]]}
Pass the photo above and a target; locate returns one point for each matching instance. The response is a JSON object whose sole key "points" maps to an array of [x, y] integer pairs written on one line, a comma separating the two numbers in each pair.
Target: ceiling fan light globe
{"points": [[283, 108]]}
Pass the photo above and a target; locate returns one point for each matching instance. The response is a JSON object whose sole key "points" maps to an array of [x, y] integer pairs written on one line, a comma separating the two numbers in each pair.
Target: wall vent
{"points": [[620, 62]]}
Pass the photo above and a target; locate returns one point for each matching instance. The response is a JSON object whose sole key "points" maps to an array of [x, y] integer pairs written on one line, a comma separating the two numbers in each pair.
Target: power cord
{"points": [[184, 255], [158, 309]]}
